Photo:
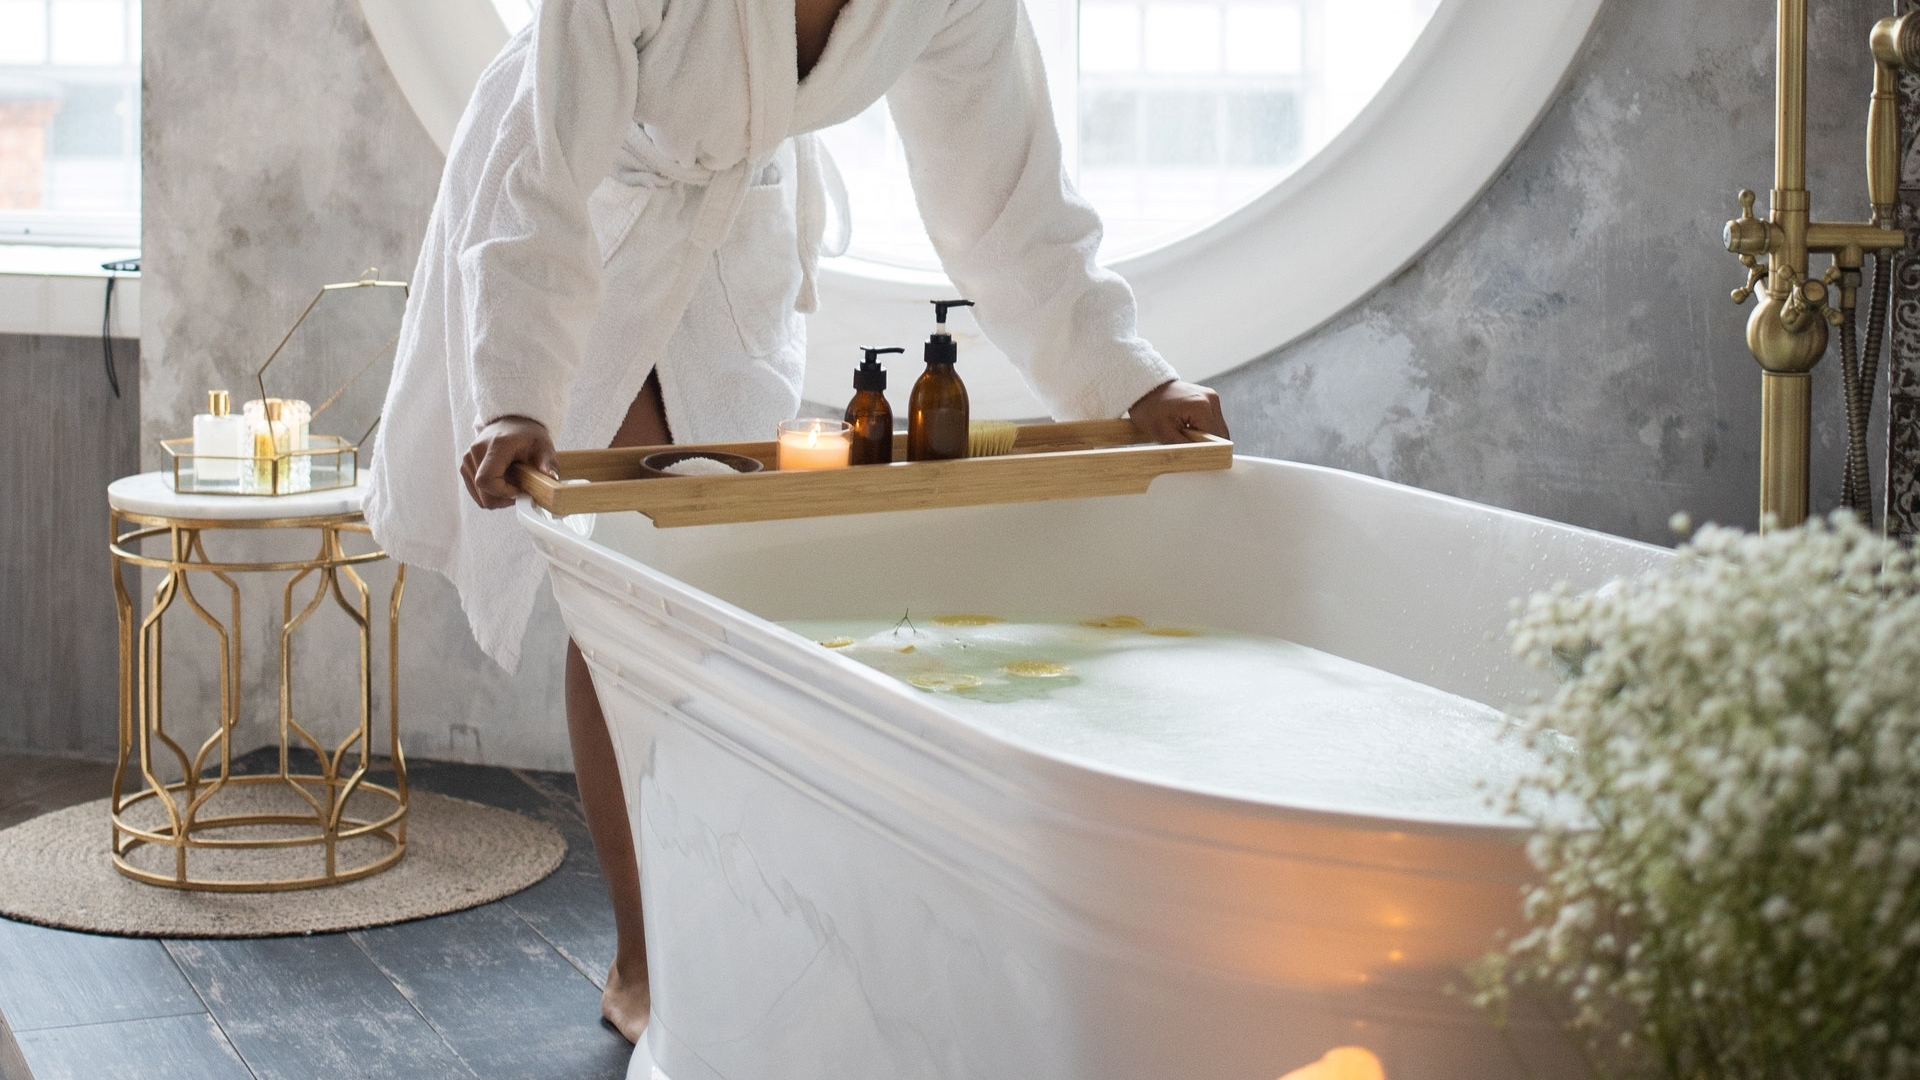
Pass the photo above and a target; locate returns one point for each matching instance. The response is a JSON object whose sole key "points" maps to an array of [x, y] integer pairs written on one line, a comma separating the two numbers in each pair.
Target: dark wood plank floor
{"points": [[509, 990], [31, 785]]}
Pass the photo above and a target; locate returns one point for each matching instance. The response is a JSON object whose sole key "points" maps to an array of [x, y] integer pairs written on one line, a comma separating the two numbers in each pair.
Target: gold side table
{"points": [[186, 814]]}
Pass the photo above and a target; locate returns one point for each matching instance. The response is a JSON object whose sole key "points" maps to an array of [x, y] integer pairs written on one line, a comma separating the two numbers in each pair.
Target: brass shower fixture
{"points": [[1788, 331]]}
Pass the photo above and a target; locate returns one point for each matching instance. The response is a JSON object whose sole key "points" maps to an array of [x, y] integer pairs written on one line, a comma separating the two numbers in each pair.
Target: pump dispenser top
{"points": [[940, 347], [870, 375]]}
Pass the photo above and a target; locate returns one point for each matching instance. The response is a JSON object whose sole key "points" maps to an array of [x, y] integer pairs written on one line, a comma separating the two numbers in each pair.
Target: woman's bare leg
{"points": [[625, 1001]]}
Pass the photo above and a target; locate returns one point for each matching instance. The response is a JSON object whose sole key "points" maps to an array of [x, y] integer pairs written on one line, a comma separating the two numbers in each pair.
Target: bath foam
{"points": [[1235, 713]]}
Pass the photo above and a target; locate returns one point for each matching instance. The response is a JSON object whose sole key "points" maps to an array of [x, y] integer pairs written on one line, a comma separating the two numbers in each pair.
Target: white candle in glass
{"points": [[814, 444]]}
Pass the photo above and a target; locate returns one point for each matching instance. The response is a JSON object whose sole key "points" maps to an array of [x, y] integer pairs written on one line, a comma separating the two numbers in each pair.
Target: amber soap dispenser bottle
{"points": [[869, 414], [937, 412]]}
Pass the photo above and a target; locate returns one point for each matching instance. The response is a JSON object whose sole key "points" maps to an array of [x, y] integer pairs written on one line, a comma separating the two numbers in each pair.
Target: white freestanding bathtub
{"points": [[846, 881]]}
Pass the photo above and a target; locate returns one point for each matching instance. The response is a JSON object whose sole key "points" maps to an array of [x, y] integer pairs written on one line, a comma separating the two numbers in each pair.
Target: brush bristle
{"points": [[991, 438]]}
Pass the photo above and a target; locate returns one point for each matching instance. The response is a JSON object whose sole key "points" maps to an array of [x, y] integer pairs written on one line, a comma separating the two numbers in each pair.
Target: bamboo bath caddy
{"points": [[1075, 460]]}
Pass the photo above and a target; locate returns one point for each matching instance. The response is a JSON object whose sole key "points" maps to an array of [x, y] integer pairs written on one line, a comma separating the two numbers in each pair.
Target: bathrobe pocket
{"points": [[759, 262]]}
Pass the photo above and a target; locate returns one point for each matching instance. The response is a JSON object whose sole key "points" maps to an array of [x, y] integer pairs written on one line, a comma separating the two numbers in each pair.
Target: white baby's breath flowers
{"points": [[1728, 812]]}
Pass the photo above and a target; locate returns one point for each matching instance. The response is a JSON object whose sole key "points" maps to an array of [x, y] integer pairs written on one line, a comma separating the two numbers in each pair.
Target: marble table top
{"points": [[152, 494]]}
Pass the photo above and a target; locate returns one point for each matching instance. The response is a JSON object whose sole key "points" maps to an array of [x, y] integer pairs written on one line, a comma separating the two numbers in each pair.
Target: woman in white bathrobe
{"points": [[623, 248]]}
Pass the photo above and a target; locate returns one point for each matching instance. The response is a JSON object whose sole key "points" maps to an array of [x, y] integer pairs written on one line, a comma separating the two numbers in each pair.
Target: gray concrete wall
{"points": [[1566, 349], [279, 156]]}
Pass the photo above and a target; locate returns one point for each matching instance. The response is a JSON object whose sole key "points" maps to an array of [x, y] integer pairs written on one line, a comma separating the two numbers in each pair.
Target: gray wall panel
{"points": [[63, 439]]}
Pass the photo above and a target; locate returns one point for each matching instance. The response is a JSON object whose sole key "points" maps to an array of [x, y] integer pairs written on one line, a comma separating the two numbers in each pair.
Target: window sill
{"points": [[61, 291]]}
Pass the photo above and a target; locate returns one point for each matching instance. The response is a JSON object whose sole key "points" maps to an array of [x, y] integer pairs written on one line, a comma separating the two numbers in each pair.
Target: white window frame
{"points": [[1356, 213]]}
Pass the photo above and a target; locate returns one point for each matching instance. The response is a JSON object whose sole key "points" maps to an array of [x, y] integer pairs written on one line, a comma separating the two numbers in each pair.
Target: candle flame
{"points": [[1342, 1063]]}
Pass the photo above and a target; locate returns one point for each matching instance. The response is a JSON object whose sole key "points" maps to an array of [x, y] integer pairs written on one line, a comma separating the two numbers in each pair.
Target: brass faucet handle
{"points": [[1840, 292], [1746, 234], [1896, 42], [1807, 302], [1756, 272]]}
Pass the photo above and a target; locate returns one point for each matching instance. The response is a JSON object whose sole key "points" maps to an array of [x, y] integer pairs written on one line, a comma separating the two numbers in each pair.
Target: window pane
{"points": [[1180, 127], [1263, 39], [1109, 37], [1183, 38], [89, 185], [89, 32], [23, 31], [23, 148], [92, 122], [1109, 128], [69, 121], [1263, 128]]}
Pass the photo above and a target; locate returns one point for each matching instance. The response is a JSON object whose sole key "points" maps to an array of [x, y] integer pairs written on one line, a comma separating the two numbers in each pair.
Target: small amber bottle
{"points": [[869, 414], [937, 412]]}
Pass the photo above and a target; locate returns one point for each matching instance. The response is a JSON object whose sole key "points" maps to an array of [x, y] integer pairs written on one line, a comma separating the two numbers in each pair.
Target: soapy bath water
{"points": [[1223, 711]]}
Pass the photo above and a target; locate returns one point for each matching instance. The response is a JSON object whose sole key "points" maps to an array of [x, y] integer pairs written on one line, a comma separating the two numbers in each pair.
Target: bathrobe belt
{"points": [[819, 183], [724, 190]]}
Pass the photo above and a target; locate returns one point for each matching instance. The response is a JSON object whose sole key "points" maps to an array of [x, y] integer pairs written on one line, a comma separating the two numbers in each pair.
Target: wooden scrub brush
{"points": [[991, 438]]}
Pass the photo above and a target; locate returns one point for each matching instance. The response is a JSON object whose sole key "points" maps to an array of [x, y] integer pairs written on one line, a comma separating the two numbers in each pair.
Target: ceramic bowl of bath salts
{"points": [[670, 463]]}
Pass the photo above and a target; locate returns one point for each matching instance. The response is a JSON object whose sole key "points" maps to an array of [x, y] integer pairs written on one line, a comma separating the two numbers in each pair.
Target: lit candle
{"points": [[1342, 1063], [814, 444]]}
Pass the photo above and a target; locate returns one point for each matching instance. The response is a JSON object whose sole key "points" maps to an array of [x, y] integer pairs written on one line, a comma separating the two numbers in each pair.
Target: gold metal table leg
{"points": [[185, 815]]}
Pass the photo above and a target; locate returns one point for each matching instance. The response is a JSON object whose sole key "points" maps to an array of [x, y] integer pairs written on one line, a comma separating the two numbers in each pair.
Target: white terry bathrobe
{"points": [[633, 188]]}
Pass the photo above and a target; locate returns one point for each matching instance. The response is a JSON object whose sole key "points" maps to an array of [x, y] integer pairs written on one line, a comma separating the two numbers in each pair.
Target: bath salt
{"points": [[699, 466], [1216, 710]]}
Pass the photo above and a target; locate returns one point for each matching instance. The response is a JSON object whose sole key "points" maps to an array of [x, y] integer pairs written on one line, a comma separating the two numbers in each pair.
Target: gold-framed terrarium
{"points": [[330, 370]]}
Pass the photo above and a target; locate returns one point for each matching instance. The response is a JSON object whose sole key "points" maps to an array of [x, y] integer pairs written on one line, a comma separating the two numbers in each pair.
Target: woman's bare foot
{"points": [[626, 1004]]}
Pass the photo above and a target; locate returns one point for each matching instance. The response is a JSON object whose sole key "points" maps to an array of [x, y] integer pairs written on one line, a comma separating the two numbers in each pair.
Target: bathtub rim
{"points": [[909, 713]]}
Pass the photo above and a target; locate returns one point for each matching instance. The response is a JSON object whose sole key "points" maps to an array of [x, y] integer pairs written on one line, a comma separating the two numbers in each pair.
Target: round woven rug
{"points": [[56, 870]]}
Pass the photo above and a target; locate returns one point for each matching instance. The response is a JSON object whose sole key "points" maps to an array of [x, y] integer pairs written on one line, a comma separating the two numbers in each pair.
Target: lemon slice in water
{"points": [[1037, 669], [968, 620], [1116, 622], [945, 682]]}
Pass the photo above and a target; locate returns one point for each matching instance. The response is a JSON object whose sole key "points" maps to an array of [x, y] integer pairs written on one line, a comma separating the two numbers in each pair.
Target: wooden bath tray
{"points": [[1073, 460]]}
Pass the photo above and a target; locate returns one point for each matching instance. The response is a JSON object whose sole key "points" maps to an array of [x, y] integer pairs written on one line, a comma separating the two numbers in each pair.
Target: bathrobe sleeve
{"points": [[526, 249], [1011, 232]]}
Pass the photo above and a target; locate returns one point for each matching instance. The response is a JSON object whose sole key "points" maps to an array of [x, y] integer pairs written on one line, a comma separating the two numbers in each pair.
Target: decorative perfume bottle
{"points": [[299, 417], [220, 445], [277, 429]]}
